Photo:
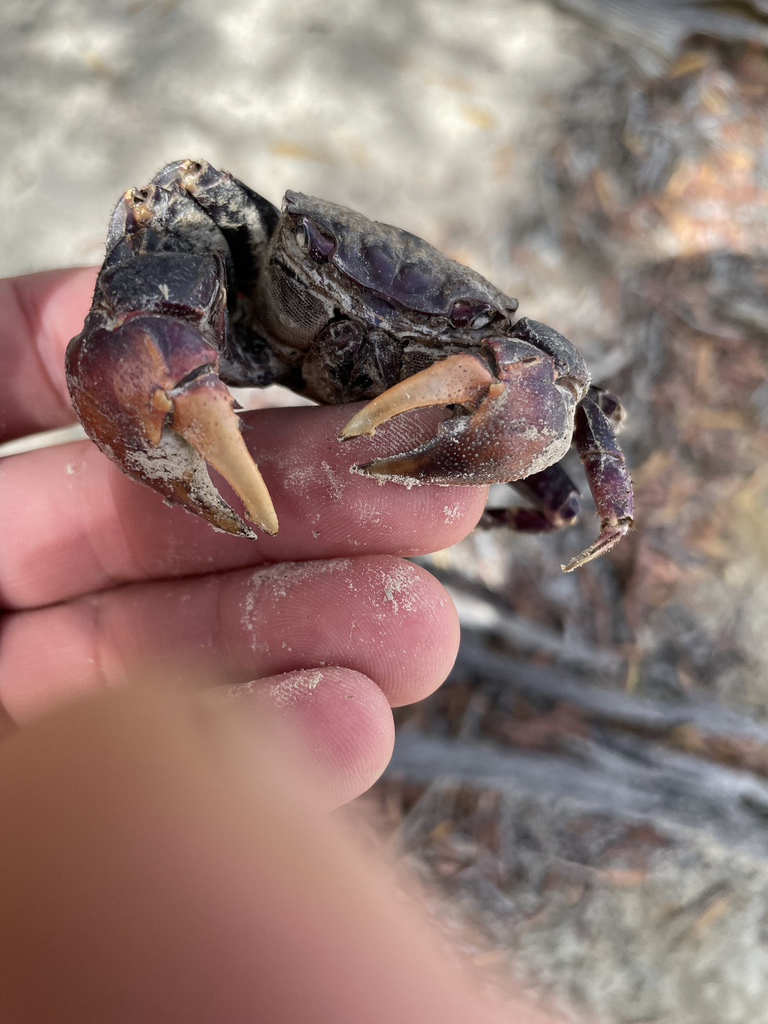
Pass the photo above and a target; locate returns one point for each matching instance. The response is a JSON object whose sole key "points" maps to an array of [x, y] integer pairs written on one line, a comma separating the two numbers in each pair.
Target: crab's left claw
{"points": [[148, 394], [511, 420]]}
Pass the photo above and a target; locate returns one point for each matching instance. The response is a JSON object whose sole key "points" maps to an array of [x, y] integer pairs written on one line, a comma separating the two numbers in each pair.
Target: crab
{"points": [[206, 284]]}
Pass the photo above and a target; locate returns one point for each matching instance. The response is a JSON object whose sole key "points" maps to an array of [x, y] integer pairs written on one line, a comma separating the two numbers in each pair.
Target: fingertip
{"points": [[422, 622], [341, 724], [377, 614], [461, 511]]}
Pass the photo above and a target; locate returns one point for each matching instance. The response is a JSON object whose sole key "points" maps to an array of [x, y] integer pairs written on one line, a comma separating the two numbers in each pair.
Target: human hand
{"points": [[162, 855], [98, 579], [161, 863]]}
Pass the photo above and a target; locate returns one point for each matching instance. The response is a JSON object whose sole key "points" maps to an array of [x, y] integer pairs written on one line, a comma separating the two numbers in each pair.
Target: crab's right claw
{"points": [[148, 394]]}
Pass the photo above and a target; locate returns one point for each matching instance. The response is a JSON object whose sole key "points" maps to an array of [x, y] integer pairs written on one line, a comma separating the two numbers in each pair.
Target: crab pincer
{"points": [[148, 394], [513, 419], [143, 374]]}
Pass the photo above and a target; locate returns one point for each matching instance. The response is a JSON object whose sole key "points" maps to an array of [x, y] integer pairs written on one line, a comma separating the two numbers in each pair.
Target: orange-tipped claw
{"points": [[461, 379], [514, 421], [204, 415], [148, 395]]}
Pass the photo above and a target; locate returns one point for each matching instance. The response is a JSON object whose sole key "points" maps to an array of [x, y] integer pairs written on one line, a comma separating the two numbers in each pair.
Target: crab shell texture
{"points": [[206, 284]]}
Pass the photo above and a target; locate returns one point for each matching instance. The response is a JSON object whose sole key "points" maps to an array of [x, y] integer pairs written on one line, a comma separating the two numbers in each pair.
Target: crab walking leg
{"points": [[555, 500], [245, 219], [457, 380], [608, 479]]}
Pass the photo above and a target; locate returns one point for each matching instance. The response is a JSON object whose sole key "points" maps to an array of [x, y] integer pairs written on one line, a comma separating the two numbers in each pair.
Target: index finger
{"points": [[72, 523], [39, 313]]}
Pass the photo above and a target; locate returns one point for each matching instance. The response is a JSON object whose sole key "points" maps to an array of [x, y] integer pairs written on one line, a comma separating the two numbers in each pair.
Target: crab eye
{"points": [[471, 314], [570, 384], [315, 242]]}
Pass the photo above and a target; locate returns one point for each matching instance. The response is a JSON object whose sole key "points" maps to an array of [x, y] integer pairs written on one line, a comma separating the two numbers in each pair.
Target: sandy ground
{"points": [[425, 114]]}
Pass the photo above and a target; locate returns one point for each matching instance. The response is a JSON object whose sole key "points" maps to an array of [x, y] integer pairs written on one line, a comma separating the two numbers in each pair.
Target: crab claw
{"points": [[519, 421], [147, 393]]}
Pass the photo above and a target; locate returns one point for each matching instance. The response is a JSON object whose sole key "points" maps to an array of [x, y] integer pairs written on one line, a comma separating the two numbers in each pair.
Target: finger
{"points": [[385, 618], [340, 721], [72, 523], [161, 863], [40, 313]]}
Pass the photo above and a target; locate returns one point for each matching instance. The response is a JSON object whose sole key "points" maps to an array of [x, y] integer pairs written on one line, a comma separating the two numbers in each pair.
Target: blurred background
{"points": [[588, 792]]}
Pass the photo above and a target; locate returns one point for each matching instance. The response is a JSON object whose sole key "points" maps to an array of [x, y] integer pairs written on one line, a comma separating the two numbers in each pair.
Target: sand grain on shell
{"points": [[382, 478]]}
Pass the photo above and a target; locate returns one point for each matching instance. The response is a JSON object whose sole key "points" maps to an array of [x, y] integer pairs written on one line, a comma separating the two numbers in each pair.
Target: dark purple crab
{"points": [[206, 284]]}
